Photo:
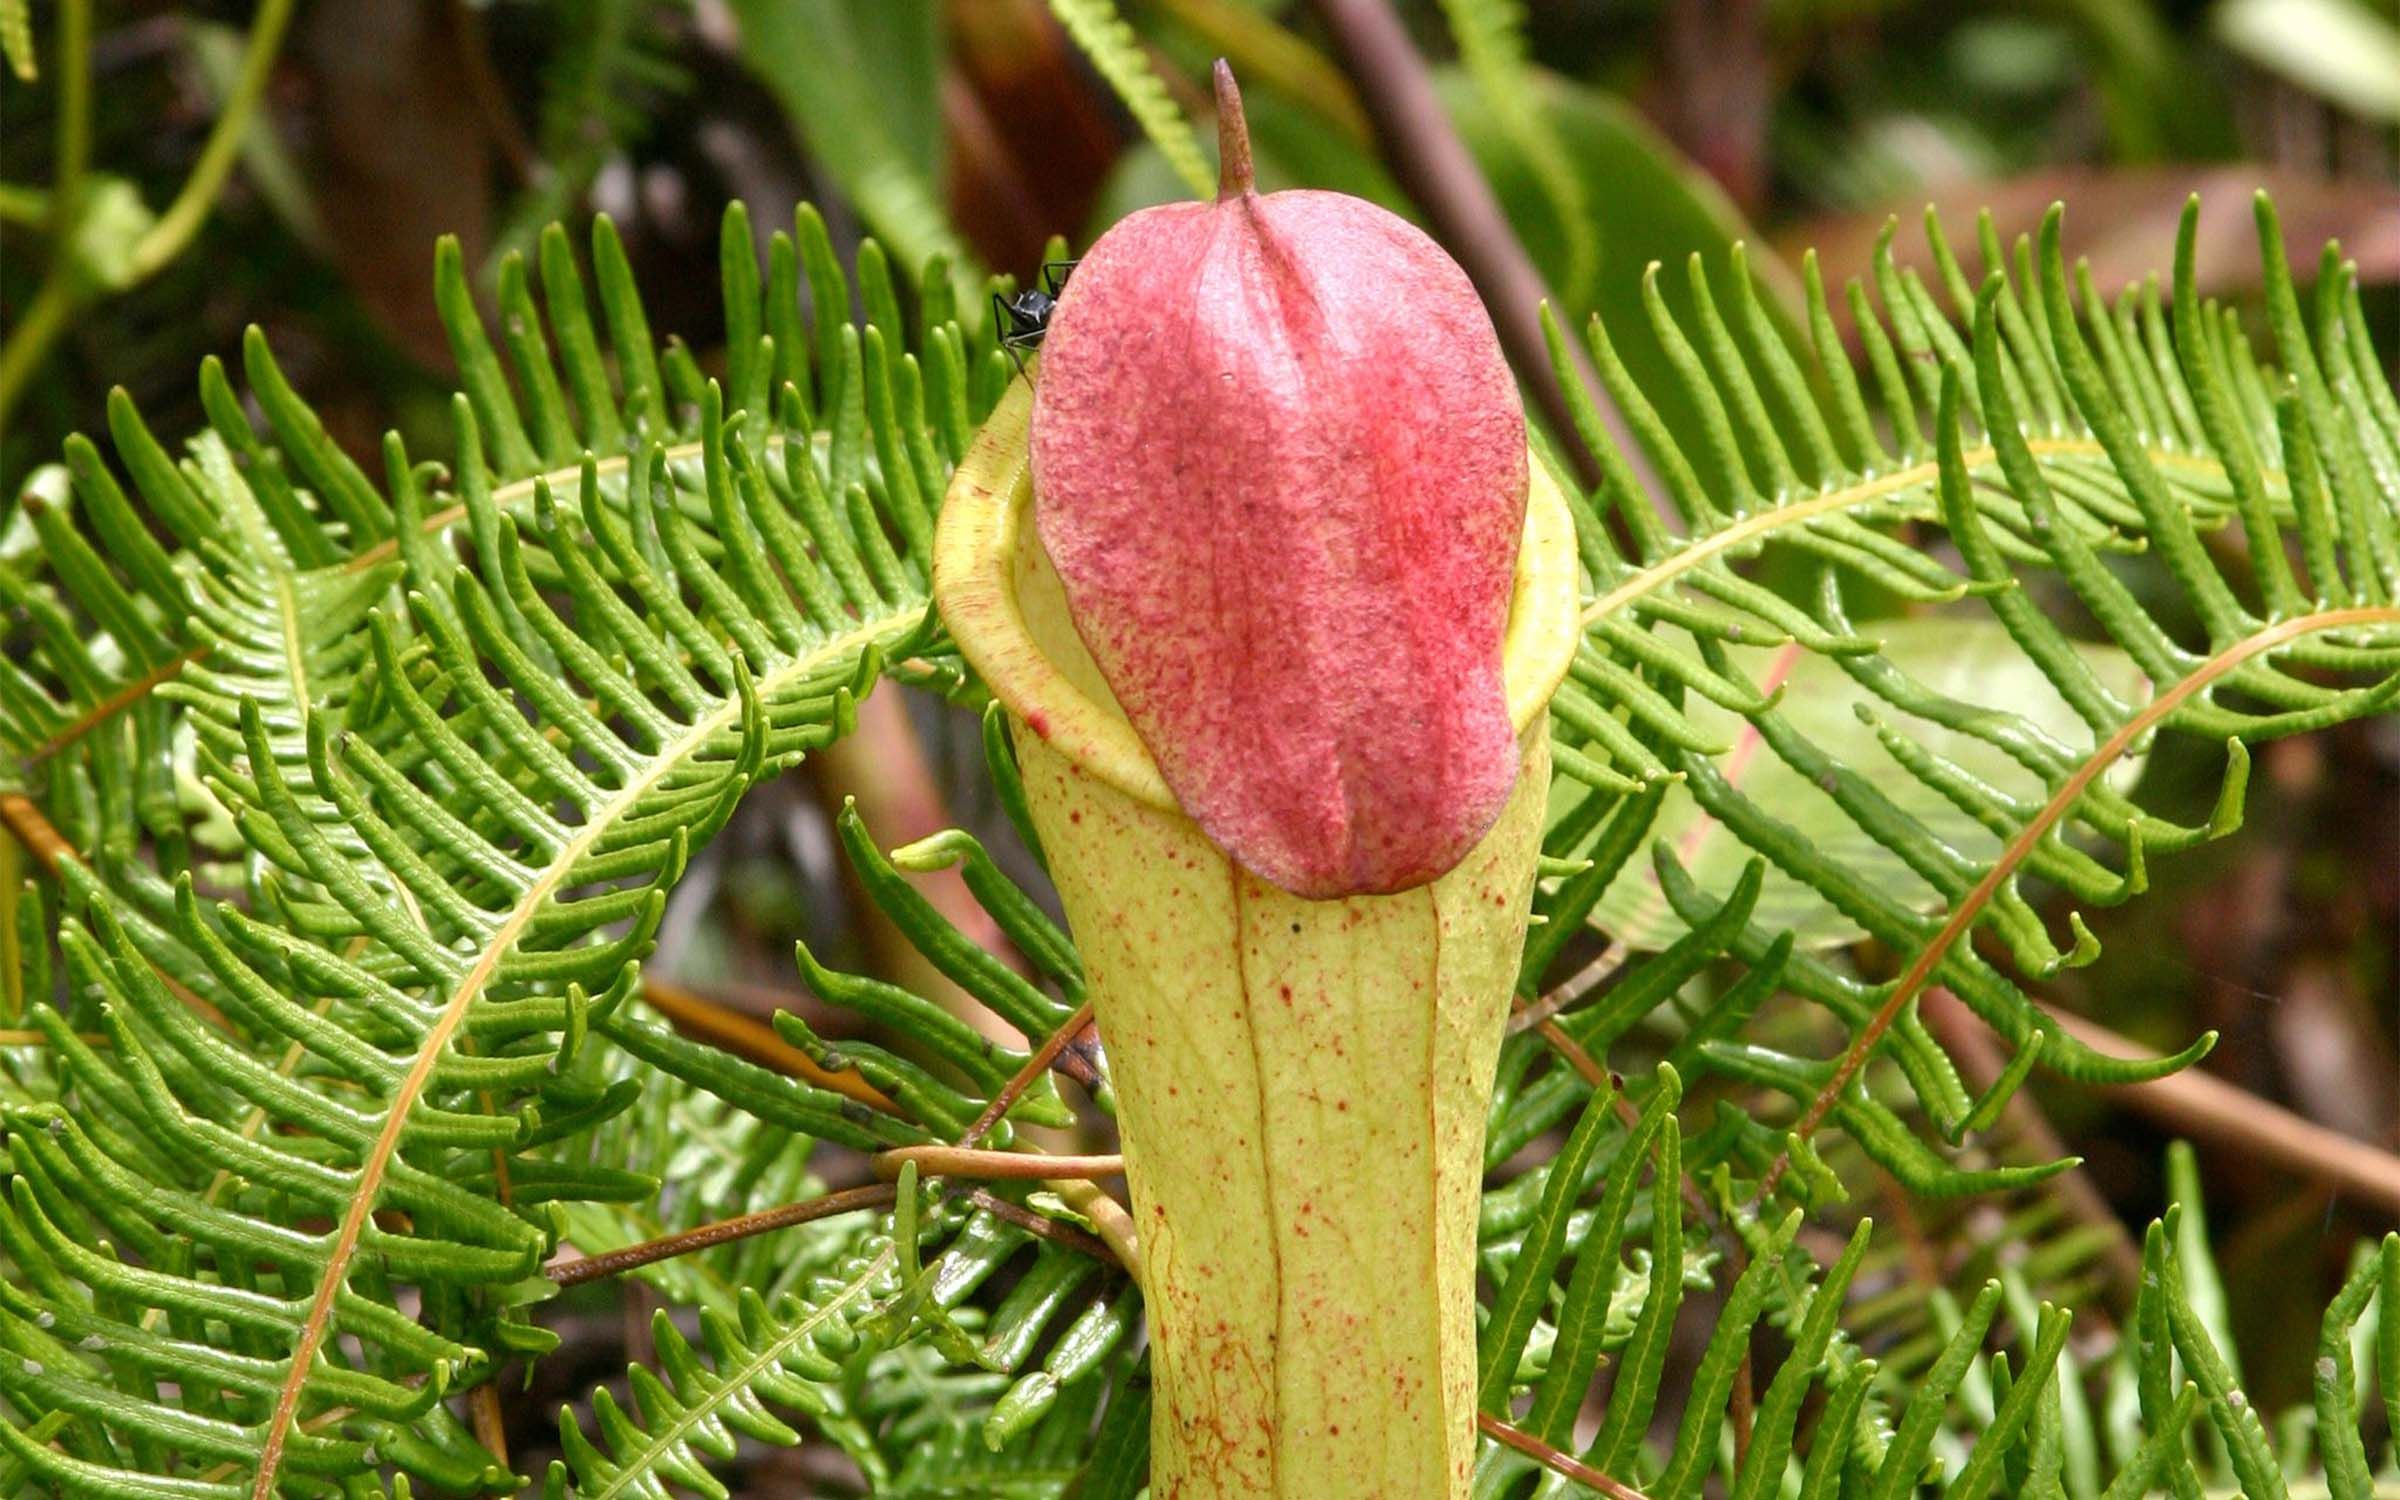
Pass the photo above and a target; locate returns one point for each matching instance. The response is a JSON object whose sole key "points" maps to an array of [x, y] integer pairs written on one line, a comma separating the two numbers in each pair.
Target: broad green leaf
{"points": [[851, 94], [1650, 204], [1973, 660], [2345, 53]]}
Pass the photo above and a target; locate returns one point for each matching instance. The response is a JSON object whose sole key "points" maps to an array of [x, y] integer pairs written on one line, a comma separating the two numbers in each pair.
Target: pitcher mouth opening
{"points": [[1004, 606]]}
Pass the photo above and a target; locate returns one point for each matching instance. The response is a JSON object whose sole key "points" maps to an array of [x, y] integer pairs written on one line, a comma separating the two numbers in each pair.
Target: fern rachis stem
{"points": [[583, 1268], [1963, 916], [1754, 527], [470, 986], [963, 1161], [1550, 1458]]}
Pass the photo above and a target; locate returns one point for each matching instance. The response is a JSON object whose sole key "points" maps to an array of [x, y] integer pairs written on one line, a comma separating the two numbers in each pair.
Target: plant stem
{"points": [[1432, 162], [1042, 1226], [1961, 920], [1035, 1065], [720, 1026], [43, 320], [183, 217], [964, 1161], [491, 1422], [47, 315], [24, 205], [74, 149], [1550, 1458], [724, 1231]]}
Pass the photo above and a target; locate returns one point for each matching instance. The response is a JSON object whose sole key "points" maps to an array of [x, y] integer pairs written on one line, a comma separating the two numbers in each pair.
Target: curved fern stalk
{"points": [[1491, 43], [2068, 513]]}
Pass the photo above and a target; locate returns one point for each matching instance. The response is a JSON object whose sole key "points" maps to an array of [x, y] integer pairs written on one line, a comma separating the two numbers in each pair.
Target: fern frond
{"points": [[1491, 44], [1116, 54], [1946, 1406], [464, 809], [1038, 1359], [2050, 435], [695, 1411]]}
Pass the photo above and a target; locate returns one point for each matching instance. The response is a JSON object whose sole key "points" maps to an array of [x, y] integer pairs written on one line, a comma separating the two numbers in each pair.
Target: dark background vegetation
{"points": [[974, 126]]}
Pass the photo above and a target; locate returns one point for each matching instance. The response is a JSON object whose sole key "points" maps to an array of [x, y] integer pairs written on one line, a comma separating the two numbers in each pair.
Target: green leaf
{"points": [[110, 220], [1966, 659], [2344, 52], [840, 71], [1116, 54], [16, 39]]}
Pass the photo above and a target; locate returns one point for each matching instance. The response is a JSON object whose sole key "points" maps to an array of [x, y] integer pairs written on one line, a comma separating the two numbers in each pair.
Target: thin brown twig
{"points": [[1581, 983], [491, 1422], [124, 697], [965, 1161], [1970, 907], [1744, 1407], [1068, 1176], [1042, 1226], [35, 831], [1556, 1462], [1572, 1050], [1433, 164], [2201, 1105], [585, 1268], [697, 1016], [1035, 1065], [1969, 1044]]}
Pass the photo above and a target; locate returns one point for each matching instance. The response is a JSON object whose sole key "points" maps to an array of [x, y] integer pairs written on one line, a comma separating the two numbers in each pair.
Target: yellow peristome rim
{"points": [[976, 566]]}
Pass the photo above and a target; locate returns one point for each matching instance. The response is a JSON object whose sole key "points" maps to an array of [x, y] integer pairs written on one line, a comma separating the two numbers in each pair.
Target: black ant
{"points": [[1023, 320]]}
